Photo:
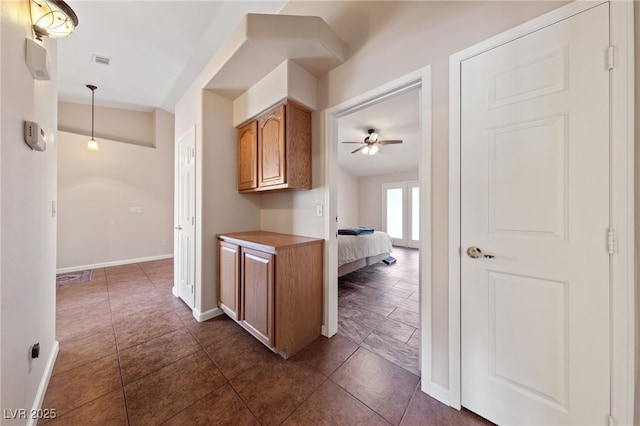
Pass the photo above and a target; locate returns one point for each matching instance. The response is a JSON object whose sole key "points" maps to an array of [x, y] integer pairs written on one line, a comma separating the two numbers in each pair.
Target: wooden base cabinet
{"points": [[279, 286]]}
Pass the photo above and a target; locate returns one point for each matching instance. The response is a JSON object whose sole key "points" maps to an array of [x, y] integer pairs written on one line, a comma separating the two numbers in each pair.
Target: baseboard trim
{"points": [[115, 263], [206, 315], [437, 392], [44, 382]]}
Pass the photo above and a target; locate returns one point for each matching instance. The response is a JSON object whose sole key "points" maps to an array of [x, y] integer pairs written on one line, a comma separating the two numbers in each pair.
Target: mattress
{"points": [[354, 247]]}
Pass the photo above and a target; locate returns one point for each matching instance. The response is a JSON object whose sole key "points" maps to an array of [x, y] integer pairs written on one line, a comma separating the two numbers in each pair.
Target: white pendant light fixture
{"points": [[92, 145], [52, 18]]}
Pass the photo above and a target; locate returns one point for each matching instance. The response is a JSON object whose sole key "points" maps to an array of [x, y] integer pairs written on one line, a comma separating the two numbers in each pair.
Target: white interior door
{"points": [[535, 194], [401, 212], [184, 274]]}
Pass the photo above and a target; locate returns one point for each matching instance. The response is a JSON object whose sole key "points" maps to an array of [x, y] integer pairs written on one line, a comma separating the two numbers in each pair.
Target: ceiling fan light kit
{"points": [[372, 144]]}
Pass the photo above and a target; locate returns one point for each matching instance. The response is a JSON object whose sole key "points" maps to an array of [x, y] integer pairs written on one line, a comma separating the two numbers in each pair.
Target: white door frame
{"points": [[622, 281], [329, 128]]}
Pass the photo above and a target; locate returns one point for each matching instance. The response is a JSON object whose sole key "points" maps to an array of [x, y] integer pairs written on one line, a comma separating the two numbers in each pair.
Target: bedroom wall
{"points": [[348, 206], [388, 40], [370, 196], [27, 226], [96, 191]]}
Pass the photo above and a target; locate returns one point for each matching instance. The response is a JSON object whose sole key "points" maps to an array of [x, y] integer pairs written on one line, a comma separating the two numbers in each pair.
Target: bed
{"points": [[358, 251]]}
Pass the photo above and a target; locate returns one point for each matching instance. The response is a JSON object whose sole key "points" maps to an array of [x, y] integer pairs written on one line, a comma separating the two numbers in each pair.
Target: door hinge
{"points": [[611, 241], [610, 58], [193, 220]]}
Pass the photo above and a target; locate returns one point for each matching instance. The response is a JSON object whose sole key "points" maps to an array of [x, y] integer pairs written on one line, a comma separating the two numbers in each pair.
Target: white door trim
{"points": [[329, 128], [622, 200]]}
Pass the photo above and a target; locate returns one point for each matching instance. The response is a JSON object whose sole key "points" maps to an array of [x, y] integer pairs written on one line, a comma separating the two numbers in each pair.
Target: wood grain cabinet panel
{"points": [[275, 148], [257, 294], [229, 279], [281, 297], [248, 156]]}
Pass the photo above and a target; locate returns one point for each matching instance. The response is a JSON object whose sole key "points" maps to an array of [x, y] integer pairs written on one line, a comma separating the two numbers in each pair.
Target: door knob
{"points": [[475, 253], [179, 228]]}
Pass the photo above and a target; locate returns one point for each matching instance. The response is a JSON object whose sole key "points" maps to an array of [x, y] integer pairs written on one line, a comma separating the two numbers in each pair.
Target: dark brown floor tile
{"points": [[326, 355], [76, 352], [273, 389], [83, 321], [221, 407], [378, 322], [399, 292], [415, 339], [140, 360], [426, 411], [406, 304], [415, 297], [214, 330], [138, 328], [353, 330], [73, 295], [399, 353], [83, 384], [380, 384], [409, 318], [372, 304], [106, 410], [408, 284], [332, 405], [237, 353], [165, 392], [139, 304]]}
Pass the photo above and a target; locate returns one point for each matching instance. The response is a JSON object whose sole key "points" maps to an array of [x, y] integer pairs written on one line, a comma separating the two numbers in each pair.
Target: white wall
{"points": [[28, 229], [347, 199], [96, 191], [223, 208], [370, 196], [388, 40]]}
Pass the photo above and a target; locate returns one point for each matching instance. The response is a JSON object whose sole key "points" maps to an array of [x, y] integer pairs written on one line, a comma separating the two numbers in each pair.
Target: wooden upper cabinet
{"points": [[248, 156], [274, 150], [271, 148]]}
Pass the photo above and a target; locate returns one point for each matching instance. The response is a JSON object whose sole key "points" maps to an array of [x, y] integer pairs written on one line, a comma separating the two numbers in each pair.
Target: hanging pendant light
{"points": [[92, 145]]}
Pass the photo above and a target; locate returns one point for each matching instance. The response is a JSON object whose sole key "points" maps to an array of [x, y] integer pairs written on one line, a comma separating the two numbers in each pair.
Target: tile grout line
{"points": [[115, 335]]}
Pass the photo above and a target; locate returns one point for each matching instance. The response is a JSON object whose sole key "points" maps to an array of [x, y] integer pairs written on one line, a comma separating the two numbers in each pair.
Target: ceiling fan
{"points": [[371, 143]]}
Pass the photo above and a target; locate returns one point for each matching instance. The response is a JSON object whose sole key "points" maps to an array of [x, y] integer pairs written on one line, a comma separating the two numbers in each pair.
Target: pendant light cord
{"points": [[93, 94]]}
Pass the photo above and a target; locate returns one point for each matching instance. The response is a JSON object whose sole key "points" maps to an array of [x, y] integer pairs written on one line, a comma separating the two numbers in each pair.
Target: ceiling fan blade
{"points": [[389, 142], [358, 149], [351, 142]]}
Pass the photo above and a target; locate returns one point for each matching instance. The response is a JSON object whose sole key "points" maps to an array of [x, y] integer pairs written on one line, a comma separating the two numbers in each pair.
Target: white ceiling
{"points": [[393, 118], [157, 48]]}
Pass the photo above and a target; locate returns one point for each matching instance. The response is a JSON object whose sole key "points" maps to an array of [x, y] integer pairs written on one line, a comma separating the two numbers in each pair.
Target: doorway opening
{"points": [[411, 285]]}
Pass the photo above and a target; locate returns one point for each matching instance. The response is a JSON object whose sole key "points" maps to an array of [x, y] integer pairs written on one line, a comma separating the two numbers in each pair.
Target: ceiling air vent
{"points": [[100, 59]]}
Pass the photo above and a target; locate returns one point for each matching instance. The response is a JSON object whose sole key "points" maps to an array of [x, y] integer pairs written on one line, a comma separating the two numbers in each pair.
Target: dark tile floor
{"points": [[132, 354], [378, 309]]}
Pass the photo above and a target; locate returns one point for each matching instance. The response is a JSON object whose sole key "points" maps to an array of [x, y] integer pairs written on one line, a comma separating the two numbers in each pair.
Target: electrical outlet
{"points": [[319, 210], [164, 242]]}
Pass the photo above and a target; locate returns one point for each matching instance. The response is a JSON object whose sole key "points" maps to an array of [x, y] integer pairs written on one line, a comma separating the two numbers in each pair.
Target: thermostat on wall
{"points": [[34, 136]]}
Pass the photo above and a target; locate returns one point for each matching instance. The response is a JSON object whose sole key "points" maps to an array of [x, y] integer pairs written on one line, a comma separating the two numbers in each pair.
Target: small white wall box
{"points": [[34, 136], [37, 62]]}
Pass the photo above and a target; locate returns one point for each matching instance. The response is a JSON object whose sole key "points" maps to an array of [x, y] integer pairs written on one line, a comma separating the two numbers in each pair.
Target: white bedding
{"points": [[354, 247]]}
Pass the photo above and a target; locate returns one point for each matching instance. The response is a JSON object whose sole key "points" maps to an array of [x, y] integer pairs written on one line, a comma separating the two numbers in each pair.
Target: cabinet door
{"points": [[257, 294], [271, 148], [248, 156], [229, 279]]}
